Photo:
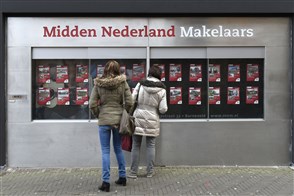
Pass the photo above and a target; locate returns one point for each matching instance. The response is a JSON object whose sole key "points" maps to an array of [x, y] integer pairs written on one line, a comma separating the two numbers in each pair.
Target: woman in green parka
{"points": [[106, 104]]}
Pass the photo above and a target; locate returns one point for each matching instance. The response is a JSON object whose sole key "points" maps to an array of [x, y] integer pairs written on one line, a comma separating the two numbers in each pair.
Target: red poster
{"points": [[195, 73], [43, 74], [251, 95], [122, 69], [162, 67], [194, 96], [82, 73], [62, 74], [44, 96], [175, 95], [233, 95], [63, 96], [100, 70], [233, 73], [214, 95], [175, 72], [214, 73], [138, 72], [252, 72], [82, 96]]}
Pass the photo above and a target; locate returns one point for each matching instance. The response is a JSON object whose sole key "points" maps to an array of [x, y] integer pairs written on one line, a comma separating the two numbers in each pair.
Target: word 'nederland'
{"points": [[203, 31], [57, 31]]}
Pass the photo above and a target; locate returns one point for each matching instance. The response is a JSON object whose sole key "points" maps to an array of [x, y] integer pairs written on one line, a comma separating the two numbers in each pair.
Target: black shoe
{"points": [[121, 181], [104, 187]]}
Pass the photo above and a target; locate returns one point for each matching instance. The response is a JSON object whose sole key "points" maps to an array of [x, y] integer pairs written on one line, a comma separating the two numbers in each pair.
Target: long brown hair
{"points": [[112, 69]]}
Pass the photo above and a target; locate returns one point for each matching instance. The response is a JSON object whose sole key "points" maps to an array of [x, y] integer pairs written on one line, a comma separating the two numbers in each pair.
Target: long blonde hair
{"points": [[112, 69]]}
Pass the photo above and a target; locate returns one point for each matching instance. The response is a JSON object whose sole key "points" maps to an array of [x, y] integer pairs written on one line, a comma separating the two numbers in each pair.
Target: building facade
{"points": [[228, 74]]}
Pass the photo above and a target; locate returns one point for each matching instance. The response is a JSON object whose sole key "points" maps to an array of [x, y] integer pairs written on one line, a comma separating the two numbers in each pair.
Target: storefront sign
{"points": [[145, 31]]}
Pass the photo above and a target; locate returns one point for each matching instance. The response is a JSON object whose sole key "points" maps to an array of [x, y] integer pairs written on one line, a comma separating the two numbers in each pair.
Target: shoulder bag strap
{"points": [[124, 102]]}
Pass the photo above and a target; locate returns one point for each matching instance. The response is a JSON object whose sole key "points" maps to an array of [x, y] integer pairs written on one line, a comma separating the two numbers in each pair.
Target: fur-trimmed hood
{"points": [[110, 83], [152, 85]]}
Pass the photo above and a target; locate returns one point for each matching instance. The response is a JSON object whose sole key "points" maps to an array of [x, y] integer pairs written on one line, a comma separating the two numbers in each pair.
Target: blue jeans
{"points": [[105, 135]]}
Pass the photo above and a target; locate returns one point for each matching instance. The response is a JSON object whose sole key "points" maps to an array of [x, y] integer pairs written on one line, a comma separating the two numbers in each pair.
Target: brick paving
{"points": [[192, 181]]}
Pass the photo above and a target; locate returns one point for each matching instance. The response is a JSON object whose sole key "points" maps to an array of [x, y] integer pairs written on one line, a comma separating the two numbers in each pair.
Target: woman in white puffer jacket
{"points": [[151, 101]]}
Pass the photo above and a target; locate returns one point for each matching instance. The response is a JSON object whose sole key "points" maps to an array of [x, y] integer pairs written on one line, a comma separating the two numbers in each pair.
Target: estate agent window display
{"points": [[196, 88], [61, 87]]}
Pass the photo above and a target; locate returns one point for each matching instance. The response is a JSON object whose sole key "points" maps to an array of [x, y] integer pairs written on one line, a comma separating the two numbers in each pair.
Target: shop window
{"points": [[61, 88], [213, 88], [236, 88], [186, 86], [202, 83]]}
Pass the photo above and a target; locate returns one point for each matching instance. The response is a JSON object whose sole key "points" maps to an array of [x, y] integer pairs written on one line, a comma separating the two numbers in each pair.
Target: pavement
{"points": [[170, 181]]}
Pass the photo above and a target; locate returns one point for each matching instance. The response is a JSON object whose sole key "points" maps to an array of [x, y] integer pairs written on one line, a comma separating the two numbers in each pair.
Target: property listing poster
{"points": [[62, 74], [233, 95], [63, 96], [252, 73], [44, 96], [175, 72], [214, 73], [82, 96], [214, 95], [194, 96], [251, 95], [100, 70], [195, 73], [233, 73], [43, 74], [122, 69], [162, 67], [175, 95], [138, 72], [82, 73]]}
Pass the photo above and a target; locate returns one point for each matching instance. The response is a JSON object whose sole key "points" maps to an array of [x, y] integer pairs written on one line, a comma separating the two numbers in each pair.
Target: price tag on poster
{"points": [[252, 73], [195, 73], [62, 74], [138, 72], [44, 96], [214, 95], [233, 95], [233, 73], [175, 72], [175, 95], [100, 70], [43, 74], [252, 95], [63, 96], [82, 96], [214, 73], [194, 96], [82, 73]]}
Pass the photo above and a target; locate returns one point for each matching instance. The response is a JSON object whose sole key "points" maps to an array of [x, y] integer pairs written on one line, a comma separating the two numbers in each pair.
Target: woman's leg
{"points": [[104, 134], [150, 155], [119, 153], [135, 154]]}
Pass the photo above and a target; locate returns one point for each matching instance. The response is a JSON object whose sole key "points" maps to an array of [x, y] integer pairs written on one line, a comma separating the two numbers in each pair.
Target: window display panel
{"points": [[186, 86], [61, 89], [238, 91], [134, 69]]}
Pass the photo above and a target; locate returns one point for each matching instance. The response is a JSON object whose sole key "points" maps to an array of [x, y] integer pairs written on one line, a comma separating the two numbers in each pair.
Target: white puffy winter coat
{"points": [[151, 102]]}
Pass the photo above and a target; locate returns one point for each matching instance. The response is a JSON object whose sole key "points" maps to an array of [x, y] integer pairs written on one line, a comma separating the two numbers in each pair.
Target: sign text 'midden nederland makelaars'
{"points": [[192, 31]]}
